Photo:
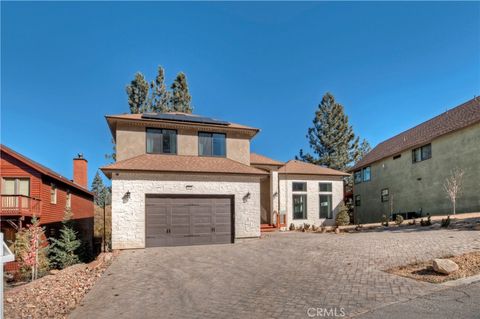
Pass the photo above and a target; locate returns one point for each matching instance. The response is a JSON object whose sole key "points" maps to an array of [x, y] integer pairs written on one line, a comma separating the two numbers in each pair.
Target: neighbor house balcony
{"points": [[20, 205]]}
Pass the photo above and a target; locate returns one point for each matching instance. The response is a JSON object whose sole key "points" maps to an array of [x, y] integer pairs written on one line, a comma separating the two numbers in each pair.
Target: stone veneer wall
{"points": [[128, 216], [313, 198]]}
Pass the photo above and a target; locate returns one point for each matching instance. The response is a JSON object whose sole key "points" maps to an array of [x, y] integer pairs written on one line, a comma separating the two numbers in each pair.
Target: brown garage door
{"points": [[181, 221]]}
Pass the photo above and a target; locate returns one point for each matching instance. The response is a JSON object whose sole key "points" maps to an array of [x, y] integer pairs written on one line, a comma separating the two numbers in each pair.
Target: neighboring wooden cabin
{"points": [[30, 189]]}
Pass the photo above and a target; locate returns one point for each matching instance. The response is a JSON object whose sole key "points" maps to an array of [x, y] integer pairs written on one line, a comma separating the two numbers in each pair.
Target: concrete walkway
{"points": [[283, 275]]}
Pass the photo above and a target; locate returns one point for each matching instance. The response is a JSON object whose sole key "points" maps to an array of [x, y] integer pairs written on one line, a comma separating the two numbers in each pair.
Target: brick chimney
{"points": [[80, 173]]}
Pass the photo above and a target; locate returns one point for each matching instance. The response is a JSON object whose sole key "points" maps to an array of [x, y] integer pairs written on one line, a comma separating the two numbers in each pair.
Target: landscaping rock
{"points": [[54, 271], [337, 230], [55, 295], [444, 266]]}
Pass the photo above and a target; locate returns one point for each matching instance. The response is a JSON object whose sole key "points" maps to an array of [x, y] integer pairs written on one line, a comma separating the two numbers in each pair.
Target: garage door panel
{"points": [[177, 221]]}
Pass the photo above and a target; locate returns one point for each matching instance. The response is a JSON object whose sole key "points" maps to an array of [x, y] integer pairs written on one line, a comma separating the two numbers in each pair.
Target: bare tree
{"points": [[453, 186]]}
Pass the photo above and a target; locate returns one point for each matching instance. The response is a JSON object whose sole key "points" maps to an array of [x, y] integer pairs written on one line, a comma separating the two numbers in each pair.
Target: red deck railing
{"points": [[20, 205]]}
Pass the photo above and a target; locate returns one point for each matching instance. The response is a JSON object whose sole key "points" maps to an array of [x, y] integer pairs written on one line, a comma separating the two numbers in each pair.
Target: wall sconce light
{"points": [[246, 197], [275, 194], [126, 197]]}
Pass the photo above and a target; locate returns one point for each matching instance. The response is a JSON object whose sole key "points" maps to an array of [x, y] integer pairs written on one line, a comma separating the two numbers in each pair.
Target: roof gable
{"points": [[303, 168], [263, 160]]}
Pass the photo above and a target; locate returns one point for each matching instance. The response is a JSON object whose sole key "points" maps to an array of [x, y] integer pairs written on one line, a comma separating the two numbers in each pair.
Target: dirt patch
{"points": [[469, 265], [55, 295]]}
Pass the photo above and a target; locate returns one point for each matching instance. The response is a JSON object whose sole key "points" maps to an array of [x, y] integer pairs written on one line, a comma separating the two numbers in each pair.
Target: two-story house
{"points": [[406, 173], [183, 179], [30, 189]]}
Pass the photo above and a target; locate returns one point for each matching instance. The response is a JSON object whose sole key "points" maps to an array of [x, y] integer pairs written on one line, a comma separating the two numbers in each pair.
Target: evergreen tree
{"points": [[63, 251], [137, 92], [181, 99], [99, 190], [331, 138], [343, 218], [363, 150], [160, 97]]}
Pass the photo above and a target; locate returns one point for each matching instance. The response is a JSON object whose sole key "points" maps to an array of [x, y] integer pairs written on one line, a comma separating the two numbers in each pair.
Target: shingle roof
{"points": [[41, 168], [139, 118], [452, 120], [303, 168], [182, 164], [263, 160]]}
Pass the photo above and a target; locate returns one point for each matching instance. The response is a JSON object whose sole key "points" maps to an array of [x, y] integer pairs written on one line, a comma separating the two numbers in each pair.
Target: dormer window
{"points": [[211, 144], [161, 141]]}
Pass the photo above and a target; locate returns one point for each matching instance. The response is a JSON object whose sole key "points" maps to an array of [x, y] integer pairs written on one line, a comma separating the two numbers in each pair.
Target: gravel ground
{"points": [[54, 295], [469, 265]]}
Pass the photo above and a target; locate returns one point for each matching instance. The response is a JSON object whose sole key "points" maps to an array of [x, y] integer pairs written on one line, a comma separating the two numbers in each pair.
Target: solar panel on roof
{"points": [[183, 118]]}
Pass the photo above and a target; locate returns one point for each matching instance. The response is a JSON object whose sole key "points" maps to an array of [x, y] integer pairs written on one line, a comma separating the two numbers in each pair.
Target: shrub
{"points": [[428, 222], [31, 251], [343, 219], [292, 227], [398, 219], [306, 226], [385, 221], [63, 251], [314, 228], [446, 222], [300, 228]]}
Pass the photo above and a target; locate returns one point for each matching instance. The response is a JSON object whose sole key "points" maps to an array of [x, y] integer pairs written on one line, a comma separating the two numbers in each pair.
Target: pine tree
{"points": [[100, 192], [63, 251], [137, 92], [331, 138], [343, 218], [181, 99], [363, 150], [160, 97]]}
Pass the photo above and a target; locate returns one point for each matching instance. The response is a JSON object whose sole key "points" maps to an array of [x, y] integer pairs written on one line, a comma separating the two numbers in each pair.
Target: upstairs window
{"points": [[325, 187], [384, 195], [69, 199], [160, 141], [53, 194], [422, 153], [366, 174], [357, 177], [16, 186], [212, 144]]}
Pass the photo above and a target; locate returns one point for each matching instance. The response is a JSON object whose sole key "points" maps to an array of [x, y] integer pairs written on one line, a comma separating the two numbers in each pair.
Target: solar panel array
{"points": [[183, 118]]}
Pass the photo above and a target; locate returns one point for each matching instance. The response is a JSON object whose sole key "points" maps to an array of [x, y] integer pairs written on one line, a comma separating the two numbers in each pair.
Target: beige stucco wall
{"points": [[131, 142], [238, 148], [128, 216], [313, 198], [419, 186]]}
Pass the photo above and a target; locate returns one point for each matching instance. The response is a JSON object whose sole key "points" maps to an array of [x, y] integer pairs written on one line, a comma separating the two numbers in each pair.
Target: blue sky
{"points": [[392, 65]]}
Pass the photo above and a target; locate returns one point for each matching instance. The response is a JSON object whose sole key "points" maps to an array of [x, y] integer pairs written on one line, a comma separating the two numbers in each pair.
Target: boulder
{"points": [[444, 266]]}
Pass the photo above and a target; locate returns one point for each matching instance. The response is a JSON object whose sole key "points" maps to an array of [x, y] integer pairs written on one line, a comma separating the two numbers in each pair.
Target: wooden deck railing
{"points": [[20, 205]]}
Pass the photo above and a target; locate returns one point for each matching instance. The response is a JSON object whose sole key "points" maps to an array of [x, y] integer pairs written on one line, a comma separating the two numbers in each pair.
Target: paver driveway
{"points": [[282, 275]]}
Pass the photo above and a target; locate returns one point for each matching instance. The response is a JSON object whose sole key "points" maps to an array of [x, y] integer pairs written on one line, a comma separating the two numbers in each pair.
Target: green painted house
{"points": [[406, 173]]}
